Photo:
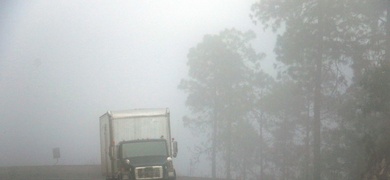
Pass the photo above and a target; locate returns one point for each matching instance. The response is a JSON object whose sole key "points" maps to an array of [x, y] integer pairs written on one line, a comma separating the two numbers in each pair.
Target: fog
{"points": [[65, 63]]}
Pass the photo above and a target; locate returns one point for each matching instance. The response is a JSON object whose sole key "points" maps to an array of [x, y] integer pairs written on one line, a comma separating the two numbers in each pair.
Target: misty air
{"points": [[195, 90]]}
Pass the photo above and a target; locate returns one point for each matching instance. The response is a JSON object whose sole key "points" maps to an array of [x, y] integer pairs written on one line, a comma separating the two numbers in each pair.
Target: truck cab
{"points": [[145, 159]]}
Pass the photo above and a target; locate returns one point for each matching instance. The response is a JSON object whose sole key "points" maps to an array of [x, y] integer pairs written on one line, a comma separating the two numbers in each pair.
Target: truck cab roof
{"points": [[143, 140], [138, 113]]}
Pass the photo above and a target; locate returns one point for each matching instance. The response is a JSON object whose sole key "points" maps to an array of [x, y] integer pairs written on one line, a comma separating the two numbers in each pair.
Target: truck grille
{"points": [[152, 172]]}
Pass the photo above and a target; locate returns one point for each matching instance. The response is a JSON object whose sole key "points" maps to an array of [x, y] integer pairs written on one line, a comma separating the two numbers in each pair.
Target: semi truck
{"points": [[137, 145]]}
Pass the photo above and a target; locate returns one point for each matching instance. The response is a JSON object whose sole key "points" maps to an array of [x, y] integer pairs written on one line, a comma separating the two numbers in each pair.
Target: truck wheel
{"points": [[174, 176]]}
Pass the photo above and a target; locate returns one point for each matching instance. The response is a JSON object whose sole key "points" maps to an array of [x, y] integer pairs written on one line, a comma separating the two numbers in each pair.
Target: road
{"points": [[60, 172]]}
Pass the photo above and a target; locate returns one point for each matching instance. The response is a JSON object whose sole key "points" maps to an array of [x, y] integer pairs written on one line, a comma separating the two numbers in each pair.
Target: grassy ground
{"points": [[51, 172]]}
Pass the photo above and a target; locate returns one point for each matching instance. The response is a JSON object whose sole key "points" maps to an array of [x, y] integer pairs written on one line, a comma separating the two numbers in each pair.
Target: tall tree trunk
{"points": [[214, 145], [229, 149], [307, 147], [261, 145], [317, 98], [284, 148], [387, 50], [260, 121], [244, 168]]}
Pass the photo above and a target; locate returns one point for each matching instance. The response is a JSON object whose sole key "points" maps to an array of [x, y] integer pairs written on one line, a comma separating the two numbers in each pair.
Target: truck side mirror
{"points": [[111, 152], [175, 149]]}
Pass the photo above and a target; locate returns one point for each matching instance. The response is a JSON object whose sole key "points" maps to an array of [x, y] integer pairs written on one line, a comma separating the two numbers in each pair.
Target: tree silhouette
{"points": [[218, 88]]}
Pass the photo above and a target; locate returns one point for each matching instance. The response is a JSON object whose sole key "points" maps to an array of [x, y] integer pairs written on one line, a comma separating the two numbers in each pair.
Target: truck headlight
{"points": [[169, 163]]}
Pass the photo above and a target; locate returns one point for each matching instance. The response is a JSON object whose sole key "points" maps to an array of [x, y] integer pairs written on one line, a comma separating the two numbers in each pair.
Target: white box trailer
{"points": [[137, 144]]}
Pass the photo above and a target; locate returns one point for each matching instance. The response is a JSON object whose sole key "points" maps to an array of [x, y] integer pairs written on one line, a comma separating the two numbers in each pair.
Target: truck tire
{"points": [[174, 176]]}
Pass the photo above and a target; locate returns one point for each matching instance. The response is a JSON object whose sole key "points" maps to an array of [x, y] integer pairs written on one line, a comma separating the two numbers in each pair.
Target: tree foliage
{"points": [[326, 113], [221, 68], [347, 35]]}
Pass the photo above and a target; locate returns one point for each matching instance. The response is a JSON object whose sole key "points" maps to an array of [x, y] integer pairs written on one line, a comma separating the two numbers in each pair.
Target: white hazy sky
{"points": [[65, 63]]}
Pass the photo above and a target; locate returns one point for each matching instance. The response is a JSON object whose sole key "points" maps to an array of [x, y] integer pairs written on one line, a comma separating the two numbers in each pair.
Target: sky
{"points": [[65, 63]]}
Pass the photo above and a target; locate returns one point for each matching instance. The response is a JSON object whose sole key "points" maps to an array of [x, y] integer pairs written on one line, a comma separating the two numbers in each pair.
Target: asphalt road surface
{"points": [[61, 172]]}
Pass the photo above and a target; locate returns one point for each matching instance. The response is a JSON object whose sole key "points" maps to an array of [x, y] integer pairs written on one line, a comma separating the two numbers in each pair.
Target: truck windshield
{"points": [[144, 148]]}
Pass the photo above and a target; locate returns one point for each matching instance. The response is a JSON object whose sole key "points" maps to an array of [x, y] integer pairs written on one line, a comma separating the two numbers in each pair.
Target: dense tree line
{"points": [[325, 115]]}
